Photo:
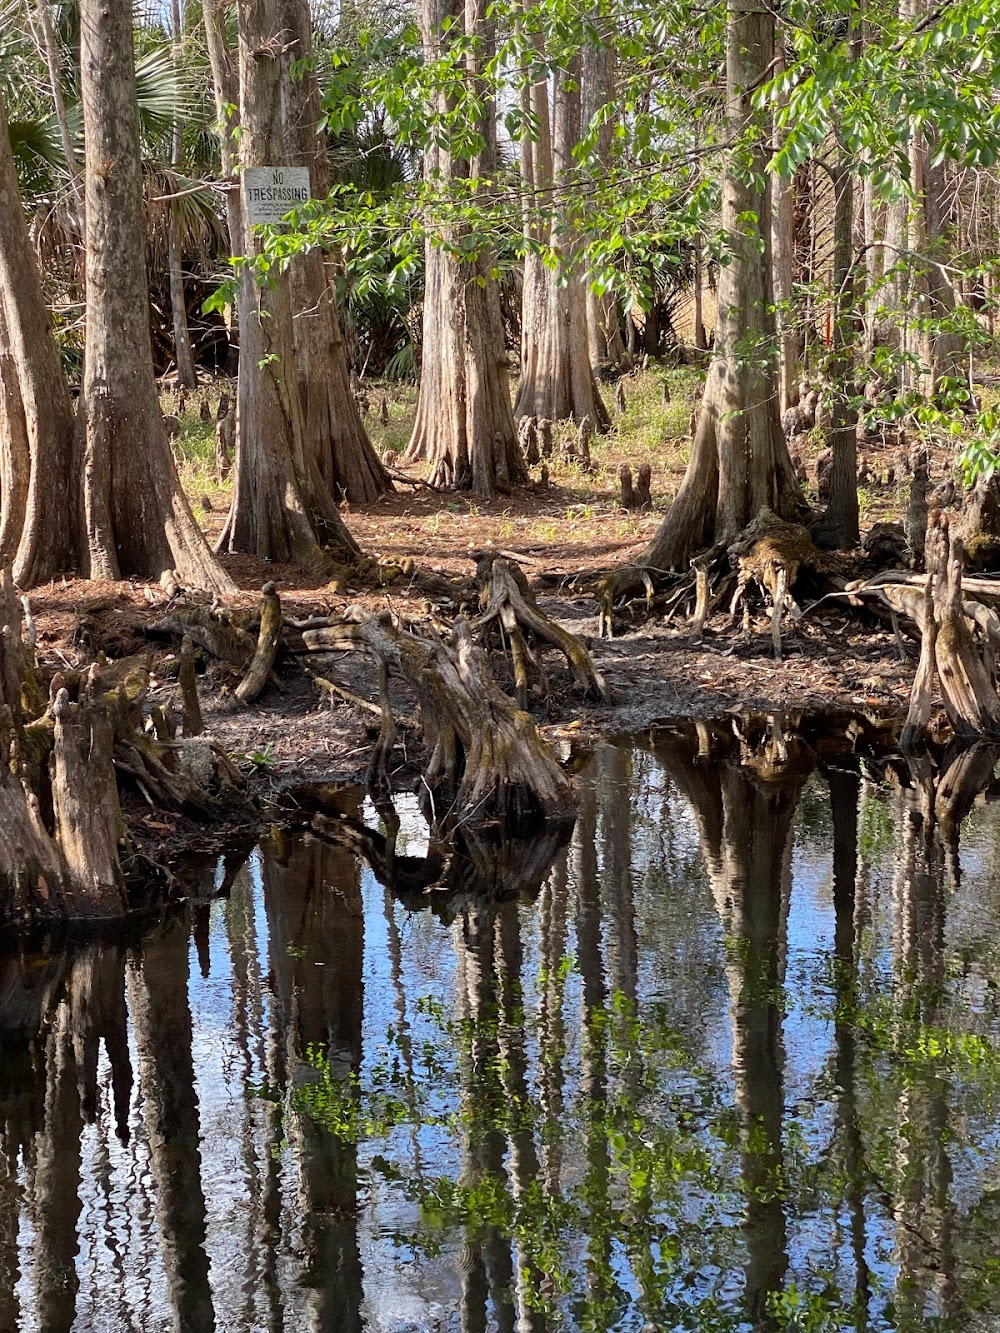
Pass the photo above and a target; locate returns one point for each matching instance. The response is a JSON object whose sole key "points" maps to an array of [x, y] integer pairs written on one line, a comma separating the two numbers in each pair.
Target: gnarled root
{"points": [[947, 646], [487, 761], [508, 601], [61, 828], [769, 552], [217, 632], [969, 697], [67, 866]]}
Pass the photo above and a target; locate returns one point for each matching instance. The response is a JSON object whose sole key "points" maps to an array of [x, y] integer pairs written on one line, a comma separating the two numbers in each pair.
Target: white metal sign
{"points": [[271, 192]]}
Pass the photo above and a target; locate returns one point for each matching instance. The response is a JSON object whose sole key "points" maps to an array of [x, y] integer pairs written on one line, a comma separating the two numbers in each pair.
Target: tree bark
{"points": [[38, 527], [557, 380], [137, 519], [604, 333], [739, 460], [783, 269], [334, 432], [842, 516], [282, 509], [464, 427], [183, 356], [53, 65]]}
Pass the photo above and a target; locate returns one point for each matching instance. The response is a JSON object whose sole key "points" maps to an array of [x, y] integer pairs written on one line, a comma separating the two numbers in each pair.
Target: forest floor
{"points": [[836, 659]]}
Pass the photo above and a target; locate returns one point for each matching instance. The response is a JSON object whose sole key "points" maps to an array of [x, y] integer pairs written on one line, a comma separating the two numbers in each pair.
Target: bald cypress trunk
{"points": [[282, 508], [557, 380], [137, 519], [37, 513], [334, 432], [739, 459], [464, 425], [604, 331]]}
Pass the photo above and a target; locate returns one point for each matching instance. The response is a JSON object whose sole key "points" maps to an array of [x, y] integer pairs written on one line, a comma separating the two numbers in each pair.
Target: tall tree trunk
{"points": [[183, 357], [464, 426], [53, 65], [842, 516], [700, 341], [783, 269], [536, 186], [37, 527], [225, 90], [137, 519], [934, 295], [604, 332], [739, 459], [187, 377], [334, 432], [282, 509], [917, 293], [557, 380]]}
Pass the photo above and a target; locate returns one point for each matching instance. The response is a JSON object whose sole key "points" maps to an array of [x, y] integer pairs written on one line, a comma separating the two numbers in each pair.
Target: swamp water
{"points": [[729, 1060]]}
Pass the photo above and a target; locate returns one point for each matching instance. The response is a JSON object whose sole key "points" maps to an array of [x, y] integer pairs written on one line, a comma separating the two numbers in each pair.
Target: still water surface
{"points": [[728, 1060]]}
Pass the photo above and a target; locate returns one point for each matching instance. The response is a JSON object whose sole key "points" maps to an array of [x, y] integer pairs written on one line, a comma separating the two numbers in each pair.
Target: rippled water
{"points": [[727, 1059]]}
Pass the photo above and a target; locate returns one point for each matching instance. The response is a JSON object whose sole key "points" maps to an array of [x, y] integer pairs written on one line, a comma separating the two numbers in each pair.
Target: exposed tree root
{"points": [[271, 621], [212, 628], [62, 836], [487, 761], [948, 651], [769, 552], [508, 601]]}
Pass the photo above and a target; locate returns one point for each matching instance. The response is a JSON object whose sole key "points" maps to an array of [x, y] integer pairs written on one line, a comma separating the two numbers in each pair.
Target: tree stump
{"points": [[545, 437], [487, 761], [981, 523], [186, 678], [627, 491], [61, 830], [769, 552], [947, 649], [971, 702], [506, 599], [621, 402], [225, 443], [583, 441], [643, 485]]}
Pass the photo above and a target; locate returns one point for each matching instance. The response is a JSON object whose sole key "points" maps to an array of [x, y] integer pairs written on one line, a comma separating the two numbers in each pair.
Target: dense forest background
{"points": [[514, 206]]}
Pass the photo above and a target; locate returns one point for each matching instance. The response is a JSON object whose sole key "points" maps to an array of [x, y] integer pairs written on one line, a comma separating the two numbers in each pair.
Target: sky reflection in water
{"points": [[728, 1061]]}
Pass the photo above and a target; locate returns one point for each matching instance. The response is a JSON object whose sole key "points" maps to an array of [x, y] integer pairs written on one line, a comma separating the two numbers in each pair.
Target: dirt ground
{"points": [[834, 659]]}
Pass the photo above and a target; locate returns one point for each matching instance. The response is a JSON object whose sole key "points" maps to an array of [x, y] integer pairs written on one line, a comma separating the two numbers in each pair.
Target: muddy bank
{"points": [[295, 731]]}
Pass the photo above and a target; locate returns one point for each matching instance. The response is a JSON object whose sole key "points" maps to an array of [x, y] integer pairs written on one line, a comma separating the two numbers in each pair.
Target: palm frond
{"points": [[161, 90]]}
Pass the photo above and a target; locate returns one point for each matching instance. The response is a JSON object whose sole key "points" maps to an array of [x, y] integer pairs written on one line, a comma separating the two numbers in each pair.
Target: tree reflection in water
{"points": [[724, 1060]]}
